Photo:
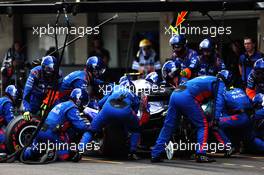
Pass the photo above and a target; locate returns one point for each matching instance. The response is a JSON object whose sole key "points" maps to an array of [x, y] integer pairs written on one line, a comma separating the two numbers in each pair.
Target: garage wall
{"points": [[6, 34]]}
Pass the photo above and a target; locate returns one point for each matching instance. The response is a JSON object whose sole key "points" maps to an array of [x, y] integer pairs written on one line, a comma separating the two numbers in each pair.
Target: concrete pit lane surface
{"points": [[237, 165]]}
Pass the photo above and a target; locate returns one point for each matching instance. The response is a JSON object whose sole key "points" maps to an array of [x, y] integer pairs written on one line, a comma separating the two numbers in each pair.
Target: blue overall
{"points": [[59, 115], [77, 79], [6, 115], [126, 114], [210, 68], [234, 116], [35, 90], [187, 101]]}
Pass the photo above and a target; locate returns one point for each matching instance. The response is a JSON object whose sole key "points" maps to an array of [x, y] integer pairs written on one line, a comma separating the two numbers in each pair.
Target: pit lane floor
{"points": [[238, 164]]}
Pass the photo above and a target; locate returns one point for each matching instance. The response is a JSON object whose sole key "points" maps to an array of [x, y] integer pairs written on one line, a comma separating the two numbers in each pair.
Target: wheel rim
{"points": [[25, 134]]}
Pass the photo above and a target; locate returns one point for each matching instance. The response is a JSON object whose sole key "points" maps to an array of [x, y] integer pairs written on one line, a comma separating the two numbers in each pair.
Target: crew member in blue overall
{"points": [[235, 116], [6, 113], [39, 82], [255, 82], [121, 105], [65, 114], [247, 59], [83, 79], [189, 58], [187, 99], [209, 63]]}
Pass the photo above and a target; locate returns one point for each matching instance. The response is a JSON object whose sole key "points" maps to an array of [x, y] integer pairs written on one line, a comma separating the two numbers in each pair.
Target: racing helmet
{"points": [[259, 70], [79, 97], [225, 76], [96, 66], [12, 92], [152, 77], [178, 41], [48, 66], [170, 70], [206, 44], [125, 81]]}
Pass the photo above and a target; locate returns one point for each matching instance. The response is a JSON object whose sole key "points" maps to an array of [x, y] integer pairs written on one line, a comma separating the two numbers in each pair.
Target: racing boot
{"points": [[203, 158], [76, 157], [228, 153], [50, 155], [133, 156], [3, 156]]}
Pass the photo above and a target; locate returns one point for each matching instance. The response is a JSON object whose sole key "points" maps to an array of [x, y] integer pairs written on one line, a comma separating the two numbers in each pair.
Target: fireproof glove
{"points": [[26, 116]]}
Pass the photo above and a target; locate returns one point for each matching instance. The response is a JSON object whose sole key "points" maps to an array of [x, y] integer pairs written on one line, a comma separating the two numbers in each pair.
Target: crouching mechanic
{"points": [[63, 116], [121, 105], [6, 114], [236, 116], [187, 99], [39, 82]]}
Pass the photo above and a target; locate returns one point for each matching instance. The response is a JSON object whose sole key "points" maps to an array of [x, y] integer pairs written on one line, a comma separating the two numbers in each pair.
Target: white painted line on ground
{"points": [[138, 167], [229, 164], [248, 166]]}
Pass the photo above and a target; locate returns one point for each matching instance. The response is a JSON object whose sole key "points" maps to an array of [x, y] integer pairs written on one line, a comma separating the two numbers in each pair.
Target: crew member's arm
{"points": [[79, 83], [8, 112], [28, 89], [219, 99], [73, 115], [192, 68], [251, 87]]}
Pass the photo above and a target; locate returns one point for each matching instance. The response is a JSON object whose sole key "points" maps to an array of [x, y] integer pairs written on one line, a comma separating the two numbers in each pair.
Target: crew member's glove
{"points": [[43, 108], [26, 116], [186, 73]]}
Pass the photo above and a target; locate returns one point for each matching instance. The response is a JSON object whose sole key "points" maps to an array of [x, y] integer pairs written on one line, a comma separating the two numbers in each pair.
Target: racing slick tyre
{"points": [[115, 142], [19, 131]]}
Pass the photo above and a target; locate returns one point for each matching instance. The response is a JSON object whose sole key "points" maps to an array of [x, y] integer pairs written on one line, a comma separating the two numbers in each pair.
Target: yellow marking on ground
{"points": [[102, 161]]}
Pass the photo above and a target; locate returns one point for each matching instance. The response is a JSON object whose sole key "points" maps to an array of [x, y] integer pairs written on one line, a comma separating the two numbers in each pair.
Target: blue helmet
{"points": [[259, 70], [95, 65], [152, 77], [12, 92], [259, 64], [79, 97], [178, 40], [225, 76], [123, 79], [206, 44], [127, 83], [48, 65], [171, 69]]}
